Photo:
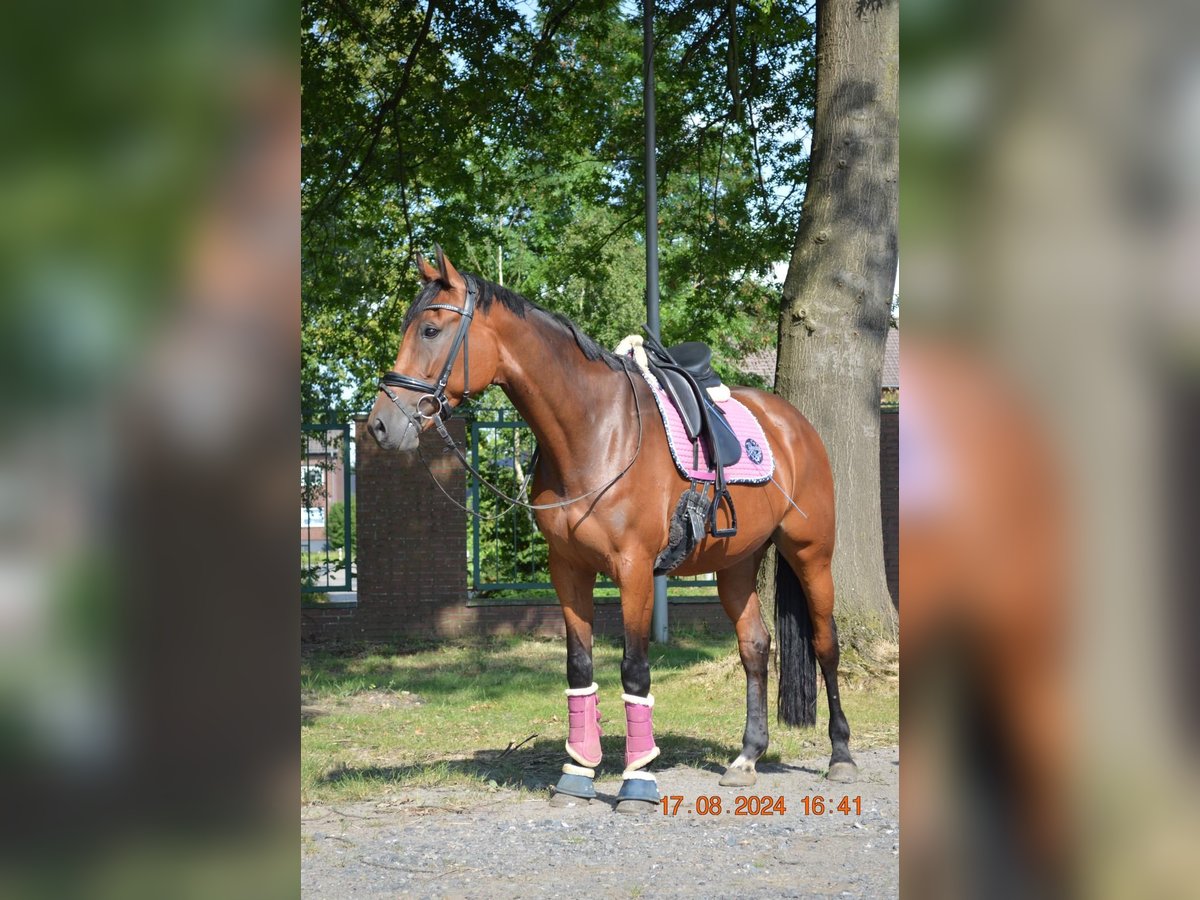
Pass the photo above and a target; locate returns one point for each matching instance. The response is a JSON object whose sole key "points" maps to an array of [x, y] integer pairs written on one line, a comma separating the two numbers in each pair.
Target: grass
{"points": [[418, 714]]}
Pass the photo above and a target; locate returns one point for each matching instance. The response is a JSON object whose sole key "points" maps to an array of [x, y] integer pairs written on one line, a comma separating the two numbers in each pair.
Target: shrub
{"points": [[335, 527]]}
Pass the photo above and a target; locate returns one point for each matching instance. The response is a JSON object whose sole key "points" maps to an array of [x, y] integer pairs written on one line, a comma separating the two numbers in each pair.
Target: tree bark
{"points": [[838, 291]]}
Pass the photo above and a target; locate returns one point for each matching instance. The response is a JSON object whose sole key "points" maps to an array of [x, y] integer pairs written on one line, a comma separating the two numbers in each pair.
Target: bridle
{"points": [[433, 405], [436, 393]]}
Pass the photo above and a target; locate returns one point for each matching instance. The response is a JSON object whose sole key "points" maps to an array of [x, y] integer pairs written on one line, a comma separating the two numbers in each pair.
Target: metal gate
{"points": [[508, 554], [326, 500]]}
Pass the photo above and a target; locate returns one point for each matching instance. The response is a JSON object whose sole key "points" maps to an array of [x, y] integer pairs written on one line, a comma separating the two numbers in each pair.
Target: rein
{"points": [[440, 411]]}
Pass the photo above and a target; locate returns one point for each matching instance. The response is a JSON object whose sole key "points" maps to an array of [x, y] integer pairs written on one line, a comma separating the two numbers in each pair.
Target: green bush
{"points": [[335, 526]]}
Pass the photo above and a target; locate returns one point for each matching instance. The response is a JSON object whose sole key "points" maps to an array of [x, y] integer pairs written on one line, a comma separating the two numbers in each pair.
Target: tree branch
{"points": [[551, 25], [599, 245], [757, 155], [699, 43], [732, 61], [334, 195]]}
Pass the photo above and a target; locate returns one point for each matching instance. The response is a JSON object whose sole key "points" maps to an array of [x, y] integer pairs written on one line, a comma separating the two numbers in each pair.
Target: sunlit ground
{"points": [[364, 736]]}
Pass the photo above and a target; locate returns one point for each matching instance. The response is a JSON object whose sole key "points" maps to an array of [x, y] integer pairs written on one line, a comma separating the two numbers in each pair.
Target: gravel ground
{"points": [[458, 843]]}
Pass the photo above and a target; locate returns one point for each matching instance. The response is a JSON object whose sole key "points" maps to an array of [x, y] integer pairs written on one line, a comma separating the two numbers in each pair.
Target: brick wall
{"points": [[324, 622], [546, 619], [412, 541]]}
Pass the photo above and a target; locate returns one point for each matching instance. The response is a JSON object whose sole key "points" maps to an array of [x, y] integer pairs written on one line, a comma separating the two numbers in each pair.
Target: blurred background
{"points": [[1050, 229], [149, 295], [149, 332]]}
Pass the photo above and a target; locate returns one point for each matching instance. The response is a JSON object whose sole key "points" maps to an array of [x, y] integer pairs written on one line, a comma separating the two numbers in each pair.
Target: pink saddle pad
{"points": [[757, 463]]}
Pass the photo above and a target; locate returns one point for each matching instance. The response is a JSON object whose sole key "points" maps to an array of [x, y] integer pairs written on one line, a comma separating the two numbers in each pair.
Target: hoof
{"points": [[637, 807], [638, 795], [844, 772], [573, 787], [562, 800], [736, 776]]}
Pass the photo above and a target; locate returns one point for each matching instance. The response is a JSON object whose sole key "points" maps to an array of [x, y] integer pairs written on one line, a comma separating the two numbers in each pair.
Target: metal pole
{"points": [[658, 622], [348, 523]]}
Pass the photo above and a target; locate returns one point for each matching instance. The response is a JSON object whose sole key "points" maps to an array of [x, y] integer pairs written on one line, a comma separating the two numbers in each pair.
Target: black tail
{"points": [[797, 662]]}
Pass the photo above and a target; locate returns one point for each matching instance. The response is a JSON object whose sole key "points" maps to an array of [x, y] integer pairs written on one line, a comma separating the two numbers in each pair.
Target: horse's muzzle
{"points": [[393, 431]]}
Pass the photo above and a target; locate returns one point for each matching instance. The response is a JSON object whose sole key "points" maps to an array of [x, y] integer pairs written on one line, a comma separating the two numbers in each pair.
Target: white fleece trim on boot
{"points": [[627, 775], [569, 769], [582, 692], [648, 700], [644, 760]]}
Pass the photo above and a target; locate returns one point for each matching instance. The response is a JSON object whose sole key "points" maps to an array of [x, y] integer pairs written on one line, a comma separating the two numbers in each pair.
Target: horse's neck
{"points": [[559, 393]]}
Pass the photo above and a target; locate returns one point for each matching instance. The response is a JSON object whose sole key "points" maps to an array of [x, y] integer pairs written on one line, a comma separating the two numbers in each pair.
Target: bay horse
{"points": [[604, 487]]}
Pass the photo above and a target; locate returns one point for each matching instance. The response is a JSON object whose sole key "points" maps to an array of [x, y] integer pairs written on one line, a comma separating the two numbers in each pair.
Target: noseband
{"points": [[432, 403]]}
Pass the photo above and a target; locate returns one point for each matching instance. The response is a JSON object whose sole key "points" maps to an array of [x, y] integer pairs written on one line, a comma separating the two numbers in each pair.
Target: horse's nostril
{"points": [[378, 427]]}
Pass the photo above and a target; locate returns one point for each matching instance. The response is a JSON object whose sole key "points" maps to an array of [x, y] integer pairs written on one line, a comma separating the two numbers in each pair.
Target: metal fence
{"points": [[326, 509], [507, 554], [507, 551]]}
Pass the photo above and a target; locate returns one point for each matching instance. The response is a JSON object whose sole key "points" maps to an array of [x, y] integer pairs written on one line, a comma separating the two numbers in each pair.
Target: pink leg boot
{"points": [[640, 748], [583, 735]]}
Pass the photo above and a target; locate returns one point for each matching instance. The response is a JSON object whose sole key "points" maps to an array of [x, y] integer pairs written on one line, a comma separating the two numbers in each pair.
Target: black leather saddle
{"points": [[685, 374], [685, 371], [695, 358]]}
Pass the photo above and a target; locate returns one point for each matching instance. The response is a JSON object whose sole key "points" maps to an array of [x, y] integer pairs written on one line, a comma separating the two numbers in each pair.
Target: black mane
{"points": [[489, 291]]}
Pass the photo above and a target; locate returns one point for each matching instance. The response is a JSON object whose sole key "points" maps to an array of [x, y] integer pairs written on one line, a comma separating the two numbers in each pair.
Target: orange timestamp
{"points": [[760, 805]]}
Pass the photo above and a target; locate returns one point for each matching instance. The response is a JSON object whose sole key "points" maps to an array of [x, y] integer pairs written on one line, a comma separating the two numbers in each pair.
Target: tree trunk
{"points": [[766, 590], [838, 291]]}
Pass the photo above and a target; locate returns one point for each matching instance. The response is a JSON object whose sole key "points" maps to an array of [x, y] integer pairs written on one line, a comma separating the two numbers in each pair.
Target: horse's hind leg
{"points": [[816, 578], [739, 595]]}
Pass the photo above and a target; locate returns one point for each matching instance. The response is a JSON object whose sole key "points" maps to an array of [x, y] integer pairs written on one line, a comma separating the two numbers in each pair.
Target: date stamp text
{"points": [[761, 805]]}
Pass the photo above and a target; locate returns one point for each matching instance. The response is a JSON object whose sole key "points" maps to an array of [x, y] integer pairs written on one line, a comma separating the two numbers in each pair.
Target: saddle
{"points": [[685, 372]]}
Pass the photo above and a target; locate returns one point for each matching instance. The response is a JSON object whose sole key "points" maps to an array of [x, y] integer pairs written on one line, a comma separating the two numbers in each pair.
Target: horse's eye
{"points": [[431, 331]]}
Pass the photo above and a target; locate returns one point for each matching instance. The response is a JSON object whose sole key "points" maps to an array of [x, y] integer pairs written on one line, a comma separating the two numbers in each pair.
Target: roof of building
{"points": [[762, 362], [891, 359]]}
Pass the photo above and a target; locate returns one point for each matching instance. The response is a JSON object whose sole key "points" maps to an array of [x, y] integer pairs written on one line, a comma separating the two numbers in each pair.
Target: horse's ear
{"points": [[446, 270], [427, 272]]}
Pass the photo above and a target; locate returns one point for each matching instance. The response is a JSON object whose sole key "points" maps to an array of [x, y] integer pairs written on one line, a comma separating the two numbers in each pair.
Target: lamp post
{"points": [[658, 622]]}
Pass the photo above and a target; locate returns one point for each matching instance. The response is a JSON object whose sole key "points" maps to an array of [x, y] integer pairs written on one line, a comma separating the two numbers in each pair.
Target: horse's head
{"points": [[444, 343]]}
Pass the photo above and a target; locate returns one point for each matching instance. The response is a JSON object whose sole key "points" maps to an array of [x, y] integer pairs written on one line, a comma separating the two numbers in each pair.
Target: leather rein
{"points": [[434, 405]]}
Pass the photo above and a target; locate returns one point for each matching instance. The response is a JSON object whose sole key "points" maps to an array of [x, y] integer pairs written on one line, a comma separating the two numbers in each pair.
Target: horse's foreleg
{"points": [[739, 596], [639, 788], [574, 586]]}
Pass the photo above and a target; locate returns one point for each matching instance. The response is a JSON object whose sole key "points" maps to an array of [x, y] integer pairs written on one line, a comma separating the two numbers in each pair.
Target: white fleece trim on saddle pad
{"points": [[633, 344], [648, 700], [638, 776], [569, 769], [582, 692]]}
